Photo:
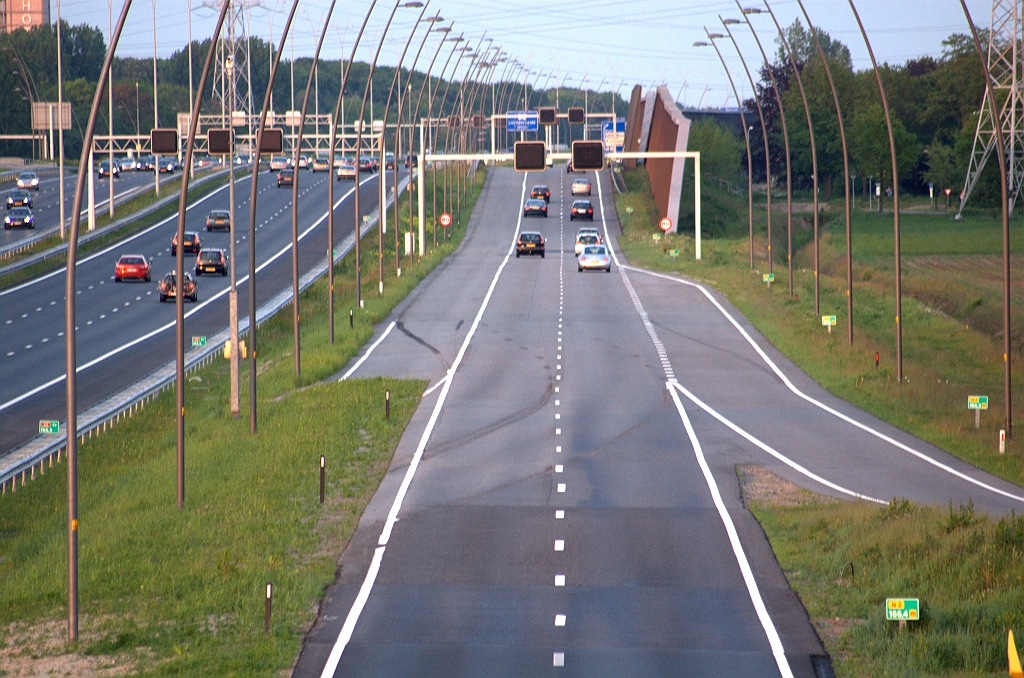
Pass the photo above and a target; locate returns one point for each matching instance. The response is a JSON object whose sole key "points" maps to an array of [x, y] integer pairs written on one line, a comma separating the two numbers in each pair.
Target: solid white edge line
{"points": [[436, 386], [823, 406], [366, 355], [371, 576], [785, 460], [164, 328], [774, 641], [734, 539]]}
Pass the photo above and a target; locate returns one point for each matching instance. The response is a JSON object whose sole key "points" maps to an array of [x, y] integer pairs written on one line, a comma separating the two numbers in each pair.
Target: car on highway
{"points": [[321, 163], [591, 230], [218, 220], [541, 192], [285, 177], [581, 187], [367, 163], [411, 160], [568, 166], [19, 198], [581, 209], [104, 169], [168, 165], [28, 180], [530, 242], [535, 207], [132, 266], [145, 163], [389, 161], [212, 261], [303, 162], [243, 159], [279, 162], [594, 257], [583, 241], [19, 216], [168, 287], [346, 170], [205, 160], [192, 243], [127, 164]]}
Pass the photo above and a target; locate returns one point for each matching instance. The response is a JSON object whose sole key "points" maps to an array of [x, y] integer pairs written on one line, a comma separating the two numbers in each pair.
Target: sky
{"points": [[609, 44]]}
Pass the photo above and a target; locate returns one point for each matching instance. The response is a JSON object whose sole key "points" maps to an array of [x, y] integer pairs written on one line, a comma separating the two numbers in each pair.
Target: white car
{"points": [[590, 230], [581, 187], [595, 257], [585, 240], [28, 180]]}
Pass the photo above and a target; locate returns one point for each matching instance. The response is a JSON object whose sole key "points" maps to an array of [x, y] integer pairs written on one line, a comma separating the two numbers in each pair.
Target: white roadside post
{"points": [[420, 174], [92, 192], [696, 204]]}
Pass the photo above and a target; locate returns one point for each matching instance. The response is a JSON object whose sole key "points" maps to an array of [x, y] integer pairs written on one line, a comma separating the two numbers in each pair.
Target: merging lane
{"points": [[124, 331]]}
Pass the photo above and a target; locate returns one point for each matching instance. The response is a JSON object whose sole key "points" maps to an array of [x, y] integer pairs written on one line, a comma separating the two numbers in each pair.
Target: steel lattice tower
{"points": [[1004, 65], [234, 92]]}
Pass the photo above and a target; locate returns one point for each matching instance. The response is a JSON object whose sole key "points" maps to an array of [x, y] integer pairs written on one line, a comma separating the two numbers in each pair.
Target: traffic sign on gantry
{"points": [[577, 115], [522, 121], [530, 156], [587, 155], [548, 115]]}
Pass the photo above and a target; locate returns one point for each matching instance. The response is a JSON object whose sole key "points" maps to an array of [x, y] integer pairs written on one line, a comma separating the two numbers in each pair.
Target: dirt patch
{"points": [[761, 486], [41, 649]]}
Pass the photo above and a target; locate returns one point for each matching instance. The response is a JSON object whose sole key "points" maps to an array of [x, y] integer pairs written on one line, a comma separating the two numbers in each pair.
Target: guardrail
{"points": [[41, 452], [13, 249]]}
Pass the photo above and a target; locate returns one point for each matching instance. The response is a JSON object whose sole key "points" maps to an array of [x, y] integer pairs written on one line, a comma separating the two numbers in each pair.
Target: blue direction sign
{"points": [[613, 140], [522, 121]]}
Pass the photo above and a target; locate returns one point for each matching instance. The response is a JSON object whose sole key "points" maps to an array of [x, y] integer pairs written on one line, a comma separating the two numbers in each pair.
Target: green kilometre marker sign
{"points": [[199, 341], [49, 426], [903, 609]]}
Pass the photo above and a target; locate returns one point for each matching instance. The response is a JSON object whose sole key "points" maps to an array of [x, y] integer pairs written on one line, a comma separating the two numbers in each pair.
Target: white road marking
{"points": [[559, 544], [558, 468], [368, 352], [737, 547], [559, 514], [792, 387], [559, 620], [353, 614], [561, 488], [558, 431], [558, 448], [559, 659], [559, 580], [558, 416]]}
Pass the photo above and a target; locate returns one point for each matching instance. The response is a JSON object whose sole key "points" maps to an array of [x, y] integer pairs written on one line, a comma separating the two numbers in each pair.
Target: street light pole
{"points": [[846, 175], [785, 138], [764, 135], [895, 201], [746, 136], [60, 127]]}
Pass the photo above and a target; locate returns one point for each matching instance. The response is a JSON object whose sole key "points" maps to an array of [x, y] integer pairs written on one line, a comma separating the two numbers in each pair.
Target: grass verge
{"points": [[844, 559], [945, 359], [169, 592]]}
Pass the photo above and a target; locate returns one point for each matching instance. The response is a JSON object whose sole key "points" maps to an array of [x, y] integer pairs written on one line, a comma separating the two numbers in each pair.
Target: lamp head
{"points": [[715, 36], [751, 10], [701, 43], [413, 5], [730, 22]]}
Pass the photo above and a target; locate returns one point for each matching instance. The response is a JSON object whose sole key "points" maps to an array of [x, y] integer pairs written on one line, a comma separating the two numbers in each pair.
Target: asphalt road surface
{"points": [[565, 499], [124, 332], [46, 202]]}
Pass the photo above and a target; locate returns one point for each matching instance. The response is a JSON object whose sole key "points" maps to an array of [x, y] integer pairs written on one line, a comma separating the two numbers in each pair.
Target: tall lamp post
{"points": [[764, 134], [746, 136], [785, 137]]}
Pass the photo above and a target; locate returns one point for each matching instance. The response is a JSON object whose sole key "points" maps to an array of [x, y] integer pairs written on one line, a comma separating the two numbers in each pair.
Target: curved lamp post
{"points": [[330, 184], [895, 200], [1001, 152], [179, 260], [814, 147], [252, 218], [846, 175], [295, 191], [785, 138], [764, 135], [71, 357], [746, 136]]}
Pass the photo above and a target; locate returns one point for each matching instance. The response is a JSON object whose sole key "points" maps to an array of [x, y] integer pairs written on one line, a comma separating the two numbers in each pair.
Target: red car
{"points": [[132, 266]]}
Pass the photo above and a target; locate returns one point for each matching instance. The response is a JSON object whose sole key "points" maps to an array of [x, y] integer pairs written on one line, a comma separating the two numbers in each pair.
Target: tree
{"points": [[719, 149], [870, 146]]}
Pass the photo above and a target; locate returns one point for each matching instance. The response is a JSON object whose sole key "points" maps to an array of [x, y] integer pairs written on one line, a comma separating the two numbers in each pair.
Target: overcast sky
{"points": [[639, 41]]}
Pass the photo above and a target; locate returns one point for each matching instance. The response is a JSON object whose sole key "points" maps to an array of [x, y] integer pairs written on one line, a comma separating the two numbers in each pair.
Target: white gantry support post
{"points": [[696, 203], [421, 172]]}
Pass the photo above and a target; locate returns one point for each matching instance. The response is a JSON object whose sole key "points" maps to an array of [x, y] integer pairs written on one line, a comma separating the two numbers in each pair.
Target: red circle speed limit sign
{"points": [[446, 220], [665, 224]]}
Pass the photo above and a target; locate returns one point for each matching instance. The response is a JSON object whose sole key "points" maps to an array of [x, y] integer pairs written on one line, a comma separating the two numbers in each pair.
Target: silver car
{"points": [[595, 257]]}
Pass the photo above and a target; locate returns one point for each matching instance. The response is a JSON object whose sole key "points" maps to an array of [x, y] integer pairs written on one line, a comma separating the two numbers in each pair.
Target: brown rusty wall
{"points": [[634, 121], [664, 133]]}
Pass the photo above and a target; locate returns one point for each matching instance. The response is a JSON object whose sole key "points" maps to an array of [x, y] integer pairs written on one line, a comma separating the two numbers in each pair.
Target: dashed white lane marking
{"points": [[559, 620], [559, 580], [774, 641], [345, 635], [559, 544], [558, 416], [559, 659], [558, 431], [561, 487], [558, 468], [559, 514], [558, 448]]}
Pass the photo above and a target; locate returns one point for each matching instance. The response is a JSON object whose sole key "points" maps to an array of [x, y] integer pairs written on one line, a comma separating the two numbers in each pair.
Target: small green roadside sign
{"points": [[49, 426], [673, 253], [199, 341], [903, 609], [768, 277], [977, 402], [828, 321]]}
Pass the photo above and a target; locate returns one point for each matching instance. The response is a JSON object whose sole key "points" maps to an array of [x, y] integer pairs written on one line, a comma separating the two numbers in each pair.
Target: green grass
{"points": [[132, 206], [844, 559], [172, 592], [945, 359]]}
